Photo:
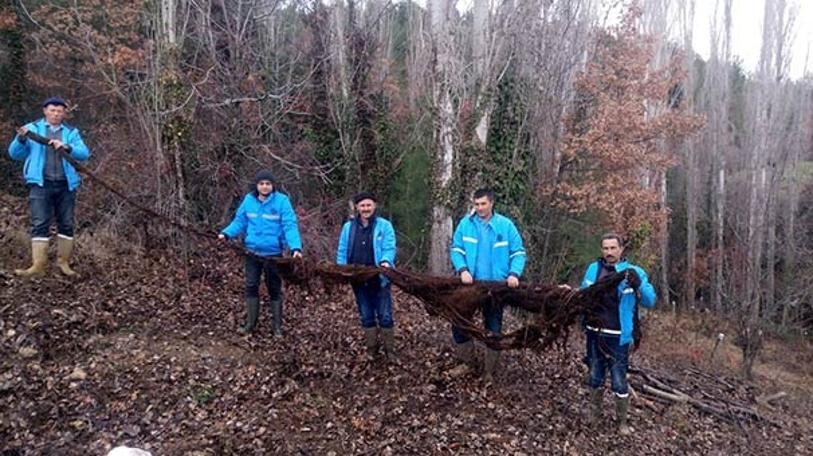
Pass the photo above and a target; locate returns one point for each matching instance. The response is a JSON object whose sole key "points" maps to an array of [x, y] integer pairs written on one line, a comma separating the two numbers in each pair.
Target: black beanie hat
{"points": [[363, 196], [264, 174]]}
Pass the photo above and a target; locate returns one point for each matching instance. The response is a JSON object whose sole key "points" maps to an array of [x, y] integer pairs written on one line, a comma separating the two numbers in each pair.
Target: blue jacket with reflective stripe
{"points": [[35, 154], [508, 254], [384, 248], [627, 301], [269, 226]]}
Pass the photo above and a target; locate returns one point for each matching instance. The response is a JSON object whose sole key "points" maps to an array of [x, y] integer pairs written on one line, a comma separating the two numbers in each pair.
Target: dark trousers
{"points": [[52, 199], [492, 320], [255, 268], [604, 353], [374, 303]]}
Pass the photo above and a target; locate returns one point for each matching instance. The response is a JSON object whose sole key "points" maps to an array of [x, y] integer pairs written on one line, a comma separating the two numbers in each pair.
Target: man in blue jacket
{"points": [[486, 246], [369, 240], [268, 222], [53, 183], [611, 326]]}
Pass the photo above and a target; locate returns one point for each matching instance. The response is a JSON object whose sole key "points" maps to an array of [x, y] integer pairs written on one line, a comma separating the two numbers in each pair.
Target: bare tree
{"points": [[441, 14]]}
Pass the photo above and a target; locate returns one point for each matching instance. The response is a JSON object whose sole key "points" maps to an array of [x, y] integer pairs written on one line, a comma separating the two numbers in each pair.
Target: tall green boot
{"points": [[252, 312], [622, 405], [595, 405], [371, 341], [388, 340], [276, 311], [490, 360], [465, 354]]}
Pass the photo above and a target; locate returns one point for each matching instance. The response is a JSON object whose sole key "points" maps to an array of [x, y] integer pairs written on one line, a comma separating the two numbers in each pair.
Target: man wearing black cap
{"points": [[369, 240], [267, 220], [53, 183]]}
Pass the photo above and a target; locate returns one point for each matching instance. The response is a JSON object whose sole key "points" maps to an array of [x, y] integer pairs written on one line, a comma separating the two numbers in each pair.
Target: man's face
{"points": [[484, 207], [265, 187], [611, 251], [366, 208], [54, 114]]}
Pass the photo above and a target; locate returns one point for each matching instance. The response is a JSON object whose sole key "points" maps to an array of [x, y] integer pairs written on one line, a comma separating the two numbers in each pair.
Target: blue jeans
{"points": [[603, 353], [375, 303], [53, 198], [254, 271], [492, 320]]}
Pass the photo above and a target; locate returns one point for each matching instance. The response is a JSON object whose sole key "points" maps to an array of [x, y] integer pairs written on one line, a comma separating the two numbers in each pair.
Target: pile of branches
{"points": [[551, 310], [710, 394]]}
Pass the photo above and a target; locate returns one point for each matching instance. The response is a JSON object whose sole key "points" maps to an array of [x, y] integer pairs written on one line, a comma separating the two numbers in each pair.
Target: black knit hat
{"points": [[264, 174], [363, 196]]}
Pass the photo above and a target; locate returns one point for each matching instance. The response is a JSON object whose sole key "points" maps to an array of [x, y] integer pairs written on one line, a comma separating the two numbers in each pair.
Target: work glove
{"points": [[633, 279]]}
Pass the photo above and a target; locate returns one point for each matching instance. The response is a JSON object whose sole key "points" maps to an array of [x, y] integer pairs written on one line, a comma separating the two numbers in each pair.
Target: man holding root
{"points": [[52, 182], [369, 240], [267, 222], [612, 326], [485, 246]]}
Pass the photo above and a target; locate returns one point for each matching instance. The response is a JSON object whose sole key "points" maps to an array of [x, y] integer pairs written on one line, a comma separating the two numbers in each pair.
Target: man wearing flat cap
{"points": [[368, 239], [52, 181]]}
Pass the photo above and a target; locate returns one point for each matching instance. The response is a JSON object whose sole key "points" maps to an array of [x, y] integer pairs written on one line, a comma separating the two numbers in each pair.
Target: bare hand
{"points": [[221, 236], [21, 132], [385, 264], [513, 282], [56, 144], [297, 254], [466, 277]]}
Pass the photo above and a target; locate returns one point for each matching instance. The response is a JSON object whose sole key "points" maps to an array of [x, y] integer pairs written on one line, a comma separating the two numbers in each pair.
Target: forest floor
{"points": [[143, 351]]}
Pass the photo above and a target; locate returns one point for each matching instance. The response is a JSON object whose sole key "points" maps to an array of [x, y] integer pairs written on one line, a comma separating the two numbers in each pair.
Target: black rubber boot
{"points": [[276, 314], [252, 312]]}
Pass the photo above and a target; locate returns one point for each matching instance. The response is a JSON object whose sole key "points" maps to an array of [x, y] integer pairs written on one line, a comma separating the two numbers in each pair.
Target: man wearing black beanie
{"points": [[268, 223]]}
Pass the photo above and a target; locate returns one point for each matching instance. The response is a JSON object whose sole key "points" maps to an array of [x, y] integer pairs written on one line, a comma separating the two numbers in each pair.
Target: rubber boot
{"points": [[276, 313], [595, 405], [490, 360], [39, 257], [388, 341], [64, 251], [622, 405], [252, 312], [371, 341], [465, 354]]}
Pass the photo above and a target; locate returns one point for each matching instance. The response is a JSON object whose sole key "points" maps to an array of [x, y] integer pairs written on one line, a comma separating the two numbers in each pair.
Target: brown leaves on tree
{"points": [[624, 117]]}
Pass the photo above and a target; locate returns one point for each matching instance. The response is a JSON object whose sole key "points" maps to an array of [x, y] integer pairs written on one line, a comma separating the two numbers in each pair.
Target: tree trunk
{"points": [[770, 260], [790, 230], [441, 230], [664, 247], [691, 225], [692, 170], [719, 233]]}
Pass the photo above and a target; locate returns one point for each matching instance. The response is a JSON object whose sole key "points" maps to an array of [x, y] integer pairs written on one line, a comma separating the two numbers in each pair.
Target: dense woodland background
{"points": [[580, 126]]}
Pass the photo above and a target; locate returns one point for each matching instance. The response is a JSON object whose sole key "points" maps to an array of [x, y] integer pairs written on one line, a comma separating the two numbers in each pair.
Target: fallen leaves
{"points": [[140, 357]]}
